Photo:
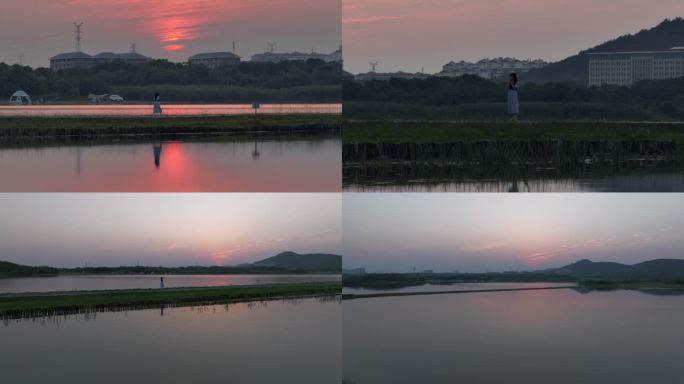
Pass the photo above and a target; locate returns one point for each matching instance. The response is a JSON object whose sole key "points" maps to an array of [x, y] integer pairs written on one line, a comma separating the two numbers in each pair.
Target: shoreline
{"points": [[62, 303]]}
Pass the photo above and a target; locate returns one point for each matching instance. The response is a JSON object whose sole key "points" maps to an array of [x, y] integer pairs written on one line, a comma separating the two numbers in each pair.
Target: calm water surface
{"points": [[99, 282], [175, 166], [169, 109], [558, 336], [272, 342]]}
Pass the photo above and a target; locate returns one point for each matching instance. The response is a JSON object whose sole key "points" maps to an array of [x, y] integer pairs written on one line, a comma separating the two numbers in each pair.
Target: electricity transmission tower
{"points": [[78, 36], [373, 66]]}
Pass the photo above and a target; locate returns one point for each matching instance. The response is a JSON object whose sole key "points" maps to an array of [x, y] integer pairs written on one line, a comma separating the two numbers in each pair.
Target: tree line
{"points": [[111, 77], [664, 97]]}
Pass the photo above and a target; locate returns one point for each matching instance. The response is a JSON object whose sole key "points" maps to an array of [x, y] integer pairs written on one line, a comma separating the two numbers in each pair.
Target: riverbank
{"points": [[58, 127], [416, 131], [59, 303]]}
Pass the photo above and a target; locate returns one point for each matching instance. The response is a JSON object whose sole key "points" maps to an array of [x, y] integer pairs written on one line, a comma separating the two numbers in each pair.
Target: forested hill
{"points": [[651, 269], [307, 262], [666, 35], [8, 269]]}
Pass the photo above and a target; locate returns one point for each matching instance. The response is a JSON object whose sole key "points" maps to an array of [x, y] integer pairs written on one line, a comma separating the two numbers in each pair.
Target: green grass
{"points": [[12, 126], [13, 306], [537, 111], [450, 131]]}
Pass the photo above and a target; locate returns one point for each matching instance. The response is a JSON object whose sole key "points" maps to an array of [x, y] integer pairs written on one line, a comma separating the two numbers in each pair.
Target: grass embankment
{"points": [[546, 111], [354, 296], [18, 127], [20, 305], [403, 280], [389, 131]]}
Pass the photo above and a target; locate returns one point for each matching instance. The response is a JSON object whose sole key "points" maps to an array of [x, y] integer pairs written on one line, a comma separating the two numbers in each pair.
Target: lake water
{"points": [[169, 109], [105, 282], [263, 165], [546, 336], [295, 341]]}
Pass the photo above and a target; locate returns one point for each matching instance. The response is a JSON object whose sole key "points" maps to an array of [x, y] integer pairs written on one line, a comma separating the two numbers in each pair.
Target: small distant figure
{"points": [[157, 105], [513, 105], [161, 282]]}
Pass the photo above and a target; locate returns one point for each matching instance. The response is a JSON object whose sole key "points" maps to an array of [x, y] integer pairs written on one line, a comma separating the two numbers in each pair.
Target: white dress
{"points": [[157, 107], [513, 105]]}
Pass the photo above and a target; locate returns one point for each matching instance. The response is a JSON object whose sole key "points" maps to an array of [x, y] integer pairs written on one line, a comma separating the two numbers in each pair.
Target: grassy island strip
{"points": [[389, 131], [58, 303], [632, 285], [389, 281], [15, 127]]}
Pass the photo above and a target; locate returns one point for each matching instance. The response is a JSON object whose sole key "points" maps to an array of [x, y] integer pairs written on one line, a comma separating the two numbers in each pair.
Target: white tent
{"points": [[20, 98]]}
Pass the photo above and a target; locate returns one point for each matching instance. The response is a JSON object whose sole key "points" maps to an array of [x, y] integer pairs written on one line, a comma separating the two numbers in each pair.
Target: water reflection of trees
{"points": [[506, 165], [645, 291]]}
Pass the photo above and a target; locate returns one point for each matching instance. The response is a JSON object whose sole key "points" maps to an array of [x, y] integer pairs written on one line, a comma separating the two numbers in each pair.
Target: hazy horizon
{"points": [[409, 35], [497, 233], [70, 230], [167, 29]]}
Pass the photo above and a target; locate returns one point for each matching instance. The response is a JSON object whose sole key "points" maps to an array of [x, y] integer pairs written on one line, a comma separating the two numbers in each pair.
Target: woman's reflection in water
{"points": [[157, 148], [255, 153], [515, 189]]}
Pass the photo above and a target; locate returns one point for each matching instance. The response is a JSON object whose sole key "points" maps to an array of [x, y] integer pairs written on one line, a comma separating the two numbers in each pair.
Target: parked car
{"points": [[116, 99]]}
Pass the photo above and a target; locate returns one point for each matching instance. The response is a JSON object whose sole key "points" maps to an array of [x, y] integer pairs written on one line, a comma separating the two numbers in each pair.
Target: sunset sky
{"points": [[173, 29], [410, 34], [165, 229], [495, 232]]}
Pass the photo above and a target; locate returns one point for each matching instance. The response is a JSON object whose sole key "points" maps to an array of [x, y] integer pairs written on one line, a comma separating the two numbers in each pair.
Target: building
{"points": [[384, 76], [354, 271], [490, 68], [71, 60], [626, 68], [273, 57], [83, 60], [214, 60]]}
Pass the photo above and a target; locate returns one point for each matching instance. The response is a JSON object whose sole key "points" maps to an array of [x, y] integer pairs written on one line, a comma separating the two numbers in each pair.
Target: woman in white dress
{"points": [[513, 105], [157, 105]]}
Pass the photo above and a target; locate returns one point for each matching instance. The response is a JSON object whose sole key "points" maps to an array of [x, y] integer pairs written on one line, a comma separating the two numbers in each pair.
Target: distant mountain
{"points": [[8, 269], [653, 269], [666, 35], [322, 262]]}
